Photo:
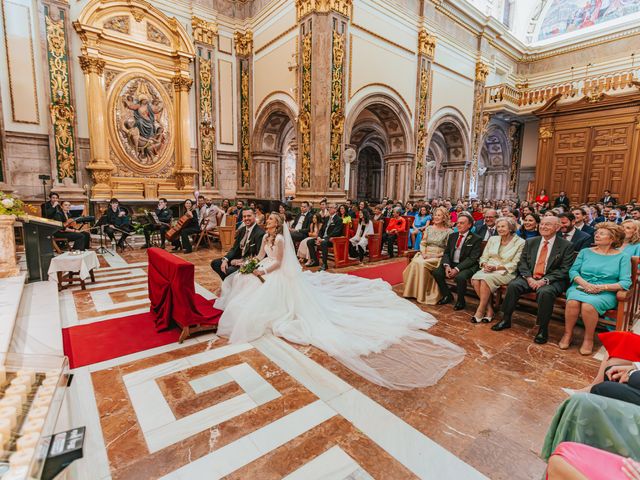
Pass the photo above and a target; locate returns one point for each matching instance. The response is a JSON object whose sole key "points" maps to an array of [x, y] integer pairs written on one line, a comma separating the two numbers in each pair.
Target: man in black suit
{"points": [[580, 215], [544, 269], [621, 382], [332, 227], [562, 201], [51, 208], [486, 228], [607, 199], [300, 226], [117, 220], [569, 232], [247, 244], [164, 216], [459, 262]]}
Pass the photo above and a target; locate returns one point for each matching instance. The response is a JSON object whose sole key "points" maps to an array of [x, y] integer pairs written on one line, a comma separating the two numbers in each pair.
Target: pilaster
{"points": [[244, 54], [479, 126]]}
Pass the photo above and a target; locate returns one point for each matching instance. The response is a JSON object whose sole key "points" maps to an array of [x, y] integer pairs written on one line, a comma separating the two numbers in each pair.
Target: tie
{"points": [[538, 271], [491, 232], [243, 244], [565, 235], [460, 237]]}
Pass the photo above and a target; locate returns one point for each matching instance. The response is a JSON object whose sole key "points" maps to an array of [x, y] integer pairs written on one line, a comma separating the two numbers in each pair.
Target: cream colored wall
{"points": [[271, 72], [451, 90]]}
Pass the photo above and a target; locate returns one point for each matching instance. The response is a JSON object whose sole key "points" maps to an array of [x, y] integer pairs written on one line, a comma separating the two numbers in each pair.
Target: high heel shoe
{"points": [[475, 319], [487, 319], [584, 351], [564, 345]]}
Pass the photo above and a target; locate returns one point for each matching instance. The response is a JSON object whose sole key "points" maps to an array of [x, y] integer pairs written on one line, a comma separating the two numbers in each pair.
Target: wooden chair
{"points": [[60, 245], [202, 235], [227, 232], [375, 242]]}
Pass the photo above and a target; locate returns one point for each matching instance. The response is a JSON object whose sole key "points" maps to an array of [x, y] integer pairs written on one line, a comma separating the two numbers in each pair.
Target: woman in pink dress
{"points": [[576, 461]]}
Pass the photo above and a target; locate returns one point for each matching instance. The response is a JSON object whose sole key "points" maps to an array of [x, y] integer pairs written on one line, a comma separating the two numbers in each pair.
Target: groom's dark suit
{"points": [[242, 248]]}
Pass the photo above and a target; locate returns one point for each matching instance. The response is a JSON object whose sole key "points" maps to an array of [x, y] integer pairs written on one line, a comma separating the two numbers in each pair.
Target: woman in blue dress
{"points": [[596, 275], [529, 228], [420, 222]]}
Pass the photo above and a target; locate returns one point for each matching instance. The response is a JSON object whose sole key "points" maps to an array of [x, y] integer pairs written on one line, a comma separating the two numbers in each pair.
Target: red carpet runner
{"points": [[100, 341]]}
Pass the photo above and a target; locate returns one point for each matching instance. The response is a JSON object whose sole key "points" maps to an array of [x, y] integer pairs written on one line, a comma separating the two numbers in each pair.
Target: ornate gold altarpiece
{"points": [[136, 65]]}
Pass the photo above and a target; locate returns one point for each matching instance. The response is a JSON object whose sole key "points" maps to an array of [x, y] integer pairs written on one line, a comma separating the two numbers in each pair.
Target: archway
{"points": [[446, 160], [275, 152], [378, 129], [493, 165]]}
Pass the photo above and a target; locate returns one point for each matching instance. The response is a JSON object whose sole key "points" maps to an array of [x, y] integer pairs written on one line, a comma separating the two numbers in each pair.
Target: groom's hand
{"points": [[237, 262], [225, 264]]}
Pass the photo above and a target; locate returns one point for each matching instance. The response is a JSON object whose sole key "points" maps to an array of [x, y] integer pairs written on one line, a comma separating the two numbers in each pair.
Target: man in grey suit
{"points": [[544, 269]]}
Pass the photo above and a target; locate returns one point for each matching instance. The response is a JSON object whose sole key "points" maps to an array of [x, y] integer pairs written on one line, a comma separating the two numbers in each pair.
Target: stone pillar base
{"points": [[8, 264]]}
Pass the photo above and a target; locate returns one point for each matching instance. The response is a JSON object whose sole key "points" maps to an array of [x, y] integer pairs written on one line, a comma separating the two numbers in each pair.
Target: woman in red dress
{"points": [[542, 200]]}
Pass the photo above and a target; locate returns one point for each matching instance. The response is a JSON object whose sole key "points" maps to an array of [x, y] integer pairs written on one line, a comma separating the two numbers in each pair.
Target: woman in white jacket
{"points": [[358, 243]]}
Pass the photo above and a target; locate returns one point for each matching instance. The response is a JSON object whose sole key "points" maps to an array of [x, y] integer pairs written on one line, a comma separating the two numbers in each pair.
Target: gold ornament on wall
{"points": [[426, 44], [245, 150], [304, 119], [155, 35], [482, 72], [91, 64], [243, 43], [203, 31], [515, 138], [421, 135], [207, 130], [337, 109], [119, 23], [306, 7], [545, 133]]}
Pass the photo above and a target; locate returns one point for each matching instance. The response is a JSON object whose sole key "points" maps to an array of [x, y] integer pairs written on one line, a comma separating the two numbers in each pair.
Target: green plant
{"points": [[10, 205]]}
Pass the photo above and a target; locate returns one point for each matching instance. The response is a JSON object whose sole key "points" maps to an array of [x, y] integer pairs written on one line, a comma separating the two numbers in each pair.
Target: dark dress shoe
{"points": [[542, 336], [313, 264], [444, 300], [501, 325], [323, 268], [460, 306]]}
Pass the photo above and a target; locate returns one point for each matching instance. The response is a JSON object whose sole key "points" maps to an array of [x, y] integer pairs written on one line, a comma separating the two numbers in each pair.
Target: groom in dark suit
{"points": [[544, 269], [459, 261], [247, 245], [332, 227]]}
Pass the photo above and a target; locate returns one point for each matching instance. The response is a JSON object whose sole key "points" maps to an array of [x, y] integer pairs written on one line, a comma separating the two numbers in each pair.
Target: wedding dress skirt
{"points": [[360, 322]]}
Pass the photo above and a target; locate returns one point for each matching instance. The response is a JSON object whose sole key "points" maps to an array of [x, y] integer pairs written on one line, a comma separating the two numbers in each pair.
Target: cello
{"points": [[174, 231]]}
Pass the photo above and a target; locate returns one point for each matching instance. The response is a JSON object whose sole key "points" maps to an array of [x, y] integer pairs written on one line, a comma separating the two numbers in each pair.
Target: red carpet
{"points": [[100, 341], [389, 272]]}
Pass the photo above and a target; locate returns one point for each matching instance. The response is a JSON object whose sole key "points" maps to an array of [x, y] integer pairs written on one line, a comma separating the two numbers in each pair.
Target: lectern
{"points": [[38, 233]]}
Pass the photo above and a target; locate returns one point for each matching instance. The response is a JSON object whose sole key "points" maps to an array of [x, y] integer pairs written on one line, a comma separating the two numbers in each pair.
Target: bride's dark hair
{"points": [[279, 227]]}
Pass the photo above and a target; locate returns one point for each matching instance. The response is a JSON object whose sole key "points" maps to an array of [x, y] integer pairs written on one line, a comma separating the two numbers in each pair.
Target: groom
{"points": [[246, 245]]}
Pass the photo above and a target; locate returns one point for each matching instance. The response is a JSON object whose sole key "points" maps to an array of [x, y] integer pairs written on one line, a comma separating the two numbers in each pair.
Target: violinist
{"points": [[191, 226], [164, 216], [117, 220], [70, 231]]}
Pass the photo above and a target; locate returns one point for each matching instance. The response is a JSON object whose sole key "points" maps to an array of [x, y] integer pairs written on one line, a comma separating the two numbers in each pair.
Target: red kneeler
{"points": [[174, 298]]}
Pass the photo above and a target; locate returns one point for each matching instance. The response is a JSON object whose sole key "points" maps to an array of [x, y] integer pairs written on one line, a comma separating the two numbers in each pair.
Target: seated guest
{"points": [[542, 200], [577, 461], [579, 239], [563, 200], [409, 210], [50, 208], [209, 214], [597, 274], [396, 225], [190, 227], [420, 222], [623, 215], [225, 205], [622, 382], [323, 211], [486, 228], [498, 264], [388, 209], [529, 229], [459, 261], [314, 230], [333, 227], [343, 213], [635, 213], [544, 269], [631, 244], [358, 243], [246, 245], [365, 206], [117, 220], [418, 280], [524, 211], [260, 217], [607, 199], [300, 227], [81, 239], [378, 216], [613, 215], [580, 216], [164, 216]]}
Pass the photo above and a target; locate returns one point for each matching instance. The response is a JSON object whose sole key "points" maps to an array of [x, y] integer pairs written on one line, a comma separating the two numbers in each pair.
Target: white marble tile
{"points": [[114, 260], [68, 312], [334, 464], [151, 373], [204, 292], [111, 316], [253, 384], [217, 353], [209, 382], [245, 450], [11, 289], [104, 303], [110, 269], [150, 406]]}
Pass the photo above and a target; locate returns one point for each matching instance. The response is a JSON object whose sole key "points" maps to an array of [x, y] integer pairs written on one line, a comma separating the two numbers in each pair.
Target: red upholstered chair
{"points": [[403, 237], [375, 242]]}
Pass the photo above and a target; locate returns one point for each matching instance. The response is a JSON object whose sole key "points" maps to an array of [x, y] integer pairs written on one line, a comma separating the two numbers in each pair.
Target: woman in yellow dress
{"points": [[498, 265], [418, 281]]}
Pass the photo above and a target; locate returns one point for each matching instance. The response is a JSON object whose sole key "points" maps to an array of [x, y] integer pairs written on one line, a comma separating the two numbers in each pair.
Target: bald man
{"points": [[544, 269]]}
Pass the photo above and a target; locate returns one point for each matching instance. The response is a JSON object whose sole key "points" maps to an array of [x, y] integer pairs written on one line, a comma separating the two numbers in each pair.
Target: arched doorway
{"points": [[275, 152], [446, 160], [378, 129], [493, 165]]}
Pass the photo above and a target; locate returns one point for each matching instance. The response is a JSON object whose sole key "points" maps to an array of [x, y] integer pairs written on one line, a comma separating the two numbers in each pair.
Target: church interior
{"points": [[476, 158]]}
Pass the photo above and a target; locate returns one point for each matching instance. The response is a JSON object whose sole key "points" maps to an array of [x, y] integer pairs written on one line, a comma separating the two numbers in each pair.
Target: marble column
{"points": [[8, 265], [399, 167], [479, 126], [268, 174], [185, 173]]}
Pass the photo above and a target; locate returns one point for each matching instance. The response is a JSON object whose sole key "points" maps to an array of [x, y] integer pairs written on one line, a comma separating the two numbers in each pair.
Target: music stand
{"points": [[100, 226]]}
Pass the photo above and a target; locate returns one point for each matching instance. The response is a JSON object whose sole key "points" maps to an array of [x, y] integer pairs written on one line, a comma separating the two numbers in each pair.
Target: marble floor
{"points": [[271, 410]]}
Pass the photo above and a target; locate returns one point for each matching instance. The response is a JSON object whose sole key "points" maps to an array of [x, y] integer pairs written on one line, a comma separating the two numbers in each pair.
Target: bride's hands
{"points": [[258, 272]]}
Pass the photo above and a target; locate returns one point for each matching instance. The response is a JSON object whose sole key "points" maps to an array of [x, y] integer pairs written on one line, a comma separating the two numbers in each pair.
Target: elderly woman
{"points": [[631, 244], [596, 275], [418, 282], [498, 265]]}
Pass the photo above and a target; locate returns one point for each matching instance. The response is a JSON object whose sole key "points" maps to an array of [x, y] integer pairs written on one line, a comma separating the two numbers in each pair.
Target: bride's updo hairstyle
{"points": [[279, 227]]}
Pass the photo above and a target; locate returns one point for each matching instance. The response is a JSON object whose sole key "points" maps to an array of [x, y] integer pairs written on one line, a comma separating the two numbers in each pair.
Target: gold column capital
{"points": [[92, 64], [243, 43], [482, 72], [306, 7], [181, 84], [203, 31], [426, 43]]}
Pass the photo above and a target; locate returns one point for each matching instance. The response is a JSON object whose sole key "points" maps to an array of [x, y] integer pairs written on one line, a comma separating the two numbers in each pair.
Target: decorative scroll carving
{"points": [[184, 179], [207, 129], [515, 137], [422, 120], [244, 43], [181, 84], [306, 7], [109, 76], [203, 31], [155, 35], [91, 64], [426, 44], [480, 124], [545, 133], [100, 176], [119, 23], [482, 72], [245, 150], [62, 112], [337, 109], [304, 119]]}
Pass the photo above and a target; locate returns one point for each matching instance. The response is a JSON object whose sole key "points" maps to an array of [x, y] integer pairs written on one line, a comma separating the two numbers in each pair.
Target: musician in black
{"points": [[81, 240], [164, 217], [50, 208], [191, 226], [117, 220]]}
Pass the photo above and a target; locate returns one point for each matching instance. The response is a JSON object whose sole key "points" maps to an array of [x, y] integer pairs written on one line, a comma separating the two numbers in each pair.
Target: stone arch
{"points": [[493, 164], [274, 140], [379, 126]]}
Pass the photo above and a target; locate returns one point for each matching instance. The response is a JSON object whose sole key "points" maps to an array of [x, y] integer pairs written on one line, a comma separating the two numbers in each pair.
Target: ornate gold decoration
{"points": [[184, 179], [155, 35], [545, 133], [337, 109], [62, 112], [243, 43], [137, 14], [203, 31], [515, 137], [426, 44], [480, 125], [482, 72], [306, 7], [207, 129], [100, 176], [304, 118], [91, 64], [422, 120], [181, 84], [109, 76], [245, 149], [119, 23]]}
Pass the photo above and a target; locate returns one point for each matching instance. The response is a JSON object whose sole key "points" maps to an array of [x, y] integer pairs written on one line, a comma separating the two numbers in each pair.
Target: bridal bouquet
{"points": [[250, 266]]}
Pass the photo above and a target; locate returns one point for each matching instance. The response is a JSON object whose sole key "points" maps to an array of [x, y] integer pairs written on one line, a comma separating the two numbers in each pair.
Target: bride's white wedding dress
{"points": [[360, 322]]}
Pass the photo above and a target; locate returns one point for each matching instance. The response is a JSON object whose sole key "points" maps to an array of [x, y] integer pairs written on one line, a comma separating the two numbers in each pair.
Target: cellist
{"points": [[191, 226]]}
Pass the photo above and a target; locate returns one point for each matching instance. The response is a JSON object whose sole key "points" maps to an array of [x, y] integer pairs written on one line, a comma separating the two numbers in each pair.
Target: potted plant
{"points": [[10, 208]]}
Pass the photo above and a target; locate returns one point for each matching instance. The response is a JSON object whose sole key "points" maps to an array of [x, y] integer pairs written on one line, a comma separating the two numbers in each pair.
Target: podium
{"points": [[38, 245]]}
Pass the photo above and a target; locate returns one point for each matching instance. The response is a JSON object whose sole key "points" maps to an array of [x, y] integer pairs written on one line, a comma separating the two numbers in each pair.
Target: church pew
{"points": [[227, 232]]}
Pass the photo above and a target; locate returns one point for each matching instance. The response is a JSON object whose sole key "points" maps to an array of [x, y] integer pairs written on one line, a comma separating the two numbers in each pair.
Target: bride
{"points": [[360, 322]]}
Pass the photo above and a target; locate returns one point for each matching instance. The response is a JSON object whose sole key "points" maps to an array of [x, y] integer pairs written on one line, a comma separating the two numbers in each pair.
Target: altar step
{"points": [[11, 290]]}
